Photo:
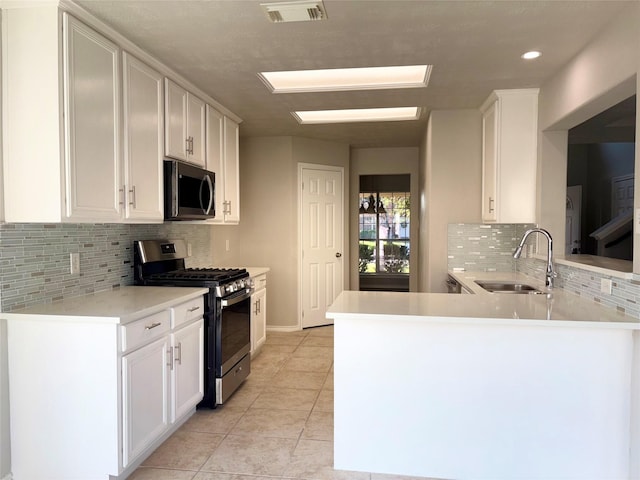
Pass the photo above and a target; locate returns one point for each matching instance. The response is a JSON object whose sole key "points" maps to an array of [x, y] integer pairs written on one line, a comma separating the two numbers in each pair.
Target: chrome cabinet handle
{"points": [[187, 146], [178, 357], [132, 200], [122, 198], [491, 202], [193, 309], [153, 325]]}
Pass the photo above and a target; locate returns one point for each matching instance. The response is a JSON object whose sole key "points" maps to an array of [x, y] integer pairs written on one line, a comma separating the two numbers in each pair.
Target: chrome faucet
{"points": [[550, 274]]}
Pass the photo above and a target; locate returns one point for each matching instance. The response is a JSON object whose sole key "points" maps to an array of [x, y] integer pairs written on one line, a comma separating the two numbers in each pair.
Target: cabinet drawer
{"points": [[187, 311], [142, 331], [260, 282]]}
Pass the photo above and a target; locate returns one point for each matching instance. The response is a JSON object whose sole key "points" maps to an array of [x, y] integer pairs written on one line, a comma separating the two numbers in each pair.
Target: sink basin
{"points": [[508, 287]]}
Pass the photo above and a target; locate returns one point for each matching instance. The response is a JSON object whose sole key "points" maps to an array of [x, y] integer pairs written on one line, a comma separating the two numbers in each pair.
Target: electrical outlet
{"points": [[74, 260], [606, 286]]}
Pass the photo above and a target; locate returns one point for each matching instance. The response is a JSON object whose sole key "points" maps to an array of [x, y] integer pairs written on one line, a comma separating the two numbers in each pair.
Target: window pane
{"points": [[384, 226], [366, 259], [395, 257]]}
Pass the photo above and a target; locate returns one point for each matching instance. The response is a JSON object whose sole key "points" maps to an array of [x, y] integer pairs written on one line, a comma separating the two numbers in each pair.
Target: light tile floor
{"points": [[278, 424]]}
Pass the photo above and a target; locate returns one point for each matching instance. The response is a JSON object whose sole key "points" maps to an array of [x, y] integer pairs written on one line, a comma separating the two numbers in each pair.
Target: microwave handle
{"points": [[207, 179]]}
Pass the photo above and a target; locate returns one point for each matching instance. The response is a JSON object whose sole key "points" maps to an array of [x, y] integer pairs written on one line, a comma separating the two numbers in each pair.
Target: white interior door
{"points": [[322, 240], [622, 195]]}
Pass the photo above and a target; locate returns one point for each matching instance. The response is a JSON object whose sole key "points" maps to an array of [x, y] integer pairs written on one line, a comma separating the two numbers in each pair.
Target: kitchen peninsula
{"points": [[485, 385]]}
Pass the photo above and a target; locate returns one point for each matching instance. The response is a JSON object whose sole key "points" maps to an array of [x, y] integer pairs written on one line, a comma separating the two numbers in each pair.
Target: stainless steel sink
{"points": [[494, 286]]}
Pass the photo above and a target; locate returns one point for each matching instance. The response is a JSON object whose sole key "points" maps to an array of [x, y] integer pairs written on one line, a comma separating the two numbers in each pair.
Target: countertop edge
{"points": [[78, 312]]}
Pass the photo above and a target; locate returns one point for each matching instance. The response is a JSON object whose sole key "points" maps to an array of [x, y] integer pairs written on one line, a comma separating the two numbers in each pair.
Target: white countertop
{"points": [[121, 305], [558, 308], [256, 271]]}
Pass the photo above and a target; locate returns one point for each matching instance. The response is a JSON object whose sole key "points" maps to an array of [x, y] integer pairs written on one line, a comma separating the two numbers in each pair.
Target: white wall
{"points": [[5, 441], [385, 161], [601, 75], [267, 235], [451, 183]]}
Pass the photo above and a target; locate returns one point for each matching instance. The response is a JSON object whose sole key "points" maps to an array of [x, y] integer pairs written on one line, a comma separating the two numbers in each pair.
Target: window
{"points": [[384, 225]]}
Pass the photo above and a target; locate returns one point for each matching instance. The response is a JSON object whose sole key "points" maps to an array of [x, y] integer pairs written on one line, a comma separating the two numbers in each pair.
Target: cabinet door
{"points": [[215, 158], [258, 319], [489, 163], [92, 124], [142, 93], [188, 368], [145, 393], [175, 121], [196, 131], [231, 171]]}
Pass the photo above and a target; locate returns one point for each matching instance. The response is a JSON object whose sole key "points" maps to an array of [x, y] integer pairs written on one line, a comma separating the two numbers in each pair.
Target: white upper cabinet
{"points": [[184, 125], [61, 119], [143, 145], [222, 159], [509, 156], [84, 121], [92, 126], [68, 157]]}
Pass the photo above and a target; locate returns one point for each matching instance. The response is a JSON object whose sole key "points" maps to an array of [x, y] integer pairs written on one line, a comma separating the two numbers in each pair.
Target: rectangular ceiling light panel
{"points": [[392, 114], [337, 79]]}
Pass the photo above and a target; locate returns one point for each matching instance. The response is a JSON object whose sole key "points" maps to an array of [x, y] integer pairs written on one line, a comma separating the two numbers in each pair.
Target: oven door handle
{"points": [[227, 302]]}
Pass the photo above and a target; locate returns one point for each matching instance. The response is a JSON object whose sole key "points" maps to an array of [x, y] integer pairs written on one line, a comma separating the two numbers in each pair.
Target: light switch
{"points": [[74, 261]]}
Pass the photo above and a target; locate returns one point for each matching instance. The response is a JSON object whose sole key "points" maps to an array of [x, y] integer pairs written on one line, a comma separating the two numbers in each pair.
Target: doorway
{"points": [[321, 239]]}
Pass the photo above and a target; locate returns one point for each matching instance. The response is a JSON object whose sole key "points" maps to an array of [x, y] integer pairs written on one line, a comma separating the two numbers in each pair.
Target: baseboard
{"points": [[283, 329]]}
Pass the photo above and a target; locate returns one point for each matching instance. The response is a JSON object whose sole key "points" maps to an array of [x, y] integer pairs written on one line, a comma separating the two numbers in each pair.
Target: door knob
{"points": [[338, 255]]}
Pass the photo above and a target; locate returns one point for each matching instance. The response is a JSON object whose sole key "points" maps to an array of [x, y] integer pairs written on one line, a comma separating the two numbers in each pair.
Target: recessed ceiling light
{"points": [[337, 79], [390, 114], [531, 55]]}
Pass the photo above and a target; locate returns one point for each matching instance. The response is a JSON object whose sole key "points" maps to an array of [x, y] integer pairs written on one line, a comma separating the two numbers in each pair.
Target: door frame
{"points": [[345, 254]]}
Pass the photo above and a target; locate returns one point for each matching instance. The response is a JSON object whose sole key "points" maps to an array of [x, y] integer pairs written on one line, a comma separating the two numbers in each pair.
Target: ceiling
{"points": [[474, 46]]}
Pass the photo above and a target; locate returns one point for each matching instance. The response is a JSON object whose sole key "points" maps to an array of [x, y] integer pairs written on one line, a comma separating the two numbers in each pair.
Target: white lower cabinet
{"points": [[145, 393], [259, 314], [113, 394], [187, 376]]}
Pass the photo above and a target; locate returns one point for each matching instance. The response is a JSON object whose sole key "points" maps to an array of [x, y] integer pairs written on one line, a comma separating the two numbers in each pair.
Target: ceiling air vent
{"points": [[299, 11]]}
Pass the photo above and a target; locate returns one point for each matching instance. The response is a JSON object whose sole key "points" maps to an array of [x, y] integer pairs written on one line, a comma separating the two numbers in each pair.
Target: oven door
{"points": [[233, 331]]}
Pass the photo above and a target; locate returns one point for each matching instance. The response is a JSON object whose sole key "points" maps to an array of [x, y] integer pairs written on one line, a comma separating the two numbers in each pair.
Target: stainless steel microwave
{"points": [[188, 192]]}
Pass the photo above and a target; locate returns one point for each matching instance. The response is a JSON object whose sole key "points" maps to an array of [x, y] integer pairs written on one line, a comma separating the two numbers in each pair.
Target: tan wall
{"points": [[451, 184], [380, 161], [267, 235], [601, 75]]}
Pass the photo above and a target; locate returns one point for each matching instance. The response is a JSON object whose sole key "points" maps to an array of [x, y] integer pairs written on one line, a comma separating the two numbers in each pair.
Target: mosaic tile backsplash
{"points": [[34, 258], [484, 248], [490, 248]]}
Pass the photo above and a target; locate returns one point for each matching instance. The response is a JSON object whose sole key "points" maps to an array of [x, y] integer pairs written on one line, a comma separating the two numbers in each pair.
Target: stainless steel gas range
{"points": [[227, 317]]}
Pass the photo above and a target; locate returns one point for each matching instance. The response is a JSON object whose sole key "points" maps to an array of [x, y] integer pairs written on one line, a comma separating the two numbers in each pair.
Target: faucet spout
{"points": [[550, 274]]}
